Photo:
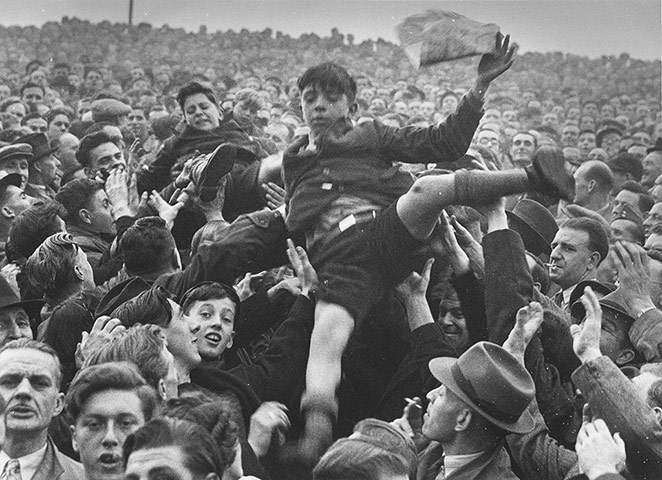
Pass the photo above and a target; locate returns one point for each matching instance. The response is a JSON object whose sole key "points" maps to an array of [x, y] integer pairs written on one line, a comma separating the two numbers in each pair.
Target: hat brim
{"points": [[441, 369], [12, 179], [42, 155], [31, 307], [535, 241]]}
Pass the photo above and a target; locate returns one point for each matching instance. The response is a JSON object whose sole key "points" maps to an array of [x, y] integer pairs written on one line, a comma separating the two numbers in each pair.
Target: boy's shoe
{"points": [[549, 176], [218, 164]]}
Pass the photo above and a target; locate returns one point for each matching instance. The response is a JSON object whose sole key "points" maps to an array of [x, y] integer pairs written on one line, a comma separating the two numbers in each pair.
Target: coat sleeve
{"points": [[252, 243], [614, 398], [646, 335], [157, 175], [276, 372], [442, 143], [538, 455]]}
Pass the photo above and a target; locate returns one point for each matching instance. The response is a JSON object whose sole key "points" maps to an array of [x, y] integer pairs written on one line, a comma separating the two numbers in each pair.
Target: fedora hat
{"points": [[39, 144], [491, 381], [9, 299], [535, 224]]}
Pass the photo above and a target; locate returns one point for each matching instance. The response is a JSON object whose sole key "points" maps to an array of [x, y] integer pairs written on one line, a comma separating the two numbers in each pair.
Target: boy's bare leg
{"points": [[333, 327]]}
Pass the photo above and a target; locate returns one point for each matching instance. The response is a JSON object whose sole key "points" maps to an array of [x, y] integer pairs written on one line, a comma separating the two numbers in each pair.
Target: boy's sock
{"points": [[550, 178]]}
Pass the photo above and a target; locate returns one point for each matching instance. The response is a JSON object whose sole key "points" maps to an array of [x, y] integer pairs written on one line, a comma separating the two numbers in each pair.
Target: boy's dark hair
{"points": [[34, 225], [209, 291], [214, 416], [359, 459], [31, 116], [329, 77], [109, 376], [193, 88], [50, 116], [76, 195], [598, 239], [147, 247], [88, 143], [201, 455], [32, 85], [646, 200], [151, 307]]}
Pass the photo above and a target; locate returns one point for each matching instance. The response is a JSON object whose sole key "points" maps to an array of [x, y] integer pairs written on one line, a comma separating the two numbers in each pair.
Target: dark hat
{"points": [[604, 131], [535, 224], [121, 293], [7, 179], [108, 108], [626, 212], [626, 163], [612, 302], [17, 150], [657, 147], [39, 144], [491, 381], [576, 306], [8, 299]]}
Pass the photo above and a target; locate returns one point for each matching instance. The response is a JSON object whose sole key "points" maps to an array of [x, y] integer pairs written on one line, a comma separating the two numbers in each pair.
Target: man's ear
{"points": [[594, 260], [162, 390], [353, 108], [658, 414], [463, 419], [79, 272], [85, 216], [231, 340], [624, 357], [74, 442], [8, 212], [591, 185]]}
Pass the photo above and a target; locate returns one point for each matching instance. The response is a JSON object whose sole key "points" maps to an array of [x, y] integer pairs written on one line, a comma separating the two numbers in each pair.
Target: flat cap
{"points": [[107, 108], [18, 150]]}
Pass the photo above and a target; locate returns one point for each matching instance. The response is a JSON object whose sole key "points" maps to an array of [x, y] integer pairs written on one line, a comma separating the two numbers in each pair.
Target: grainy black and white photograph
{"points": [[330, 240]]}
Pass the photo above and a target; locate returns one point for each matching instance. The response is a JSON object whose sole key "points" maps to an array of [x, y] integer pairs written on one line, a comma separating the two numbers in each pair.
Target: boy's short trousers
{"points": [[357, 267]]}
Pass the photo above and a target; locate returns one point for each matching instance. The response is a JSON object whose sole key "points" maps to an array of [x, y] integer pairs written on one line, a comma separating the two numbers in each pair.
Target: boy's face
{"points": [[322, 109]]}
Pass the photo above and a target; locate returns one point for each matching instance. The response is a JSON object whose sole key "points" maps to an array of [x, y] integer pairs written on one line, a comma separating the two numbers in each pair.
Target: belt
{"points": [[355, 219]]}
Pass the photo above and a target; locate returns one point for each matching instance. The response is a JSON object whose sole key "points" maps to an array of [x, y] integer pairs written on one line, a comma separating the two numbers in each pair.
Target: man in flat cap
{"points": [[44, 167], [15, 159], [13, 200]]}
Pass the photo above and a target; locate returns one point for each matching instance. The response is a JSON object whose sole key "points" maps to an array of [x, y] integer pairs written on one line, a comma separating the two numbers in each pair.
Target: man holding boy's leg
{"points": [[342, 189]]}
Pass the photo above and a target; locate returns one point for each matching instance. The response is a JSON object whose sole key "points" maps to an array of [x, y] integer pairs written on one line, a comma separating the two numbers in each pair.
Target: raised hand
{"points": [[586, 337], [599, 452], [305, 272], [492, 65], [527, 323]]}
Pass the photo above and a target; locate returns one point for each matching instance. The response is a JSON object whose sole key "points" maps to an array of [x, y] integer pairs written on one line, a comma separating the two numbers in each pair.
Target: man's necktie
{"points": [[12, 470]]}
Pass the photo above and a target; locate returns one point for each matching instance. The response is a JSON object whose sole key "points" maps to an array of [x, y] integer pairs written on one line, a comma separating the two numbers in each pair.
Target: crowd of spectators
{"points": [[224, 257]]}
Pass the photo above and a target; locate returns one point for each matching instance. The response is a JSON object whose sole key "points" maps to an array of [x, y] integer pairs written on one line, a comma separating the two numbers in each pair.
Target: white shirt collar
{"points": [[29, 463]]}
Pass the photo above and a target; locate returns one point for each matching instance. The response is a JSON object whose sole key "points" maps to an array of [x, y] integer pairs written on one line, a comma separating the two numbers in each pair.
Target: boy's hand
{"points": [[494, 64], [305, 272]]}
